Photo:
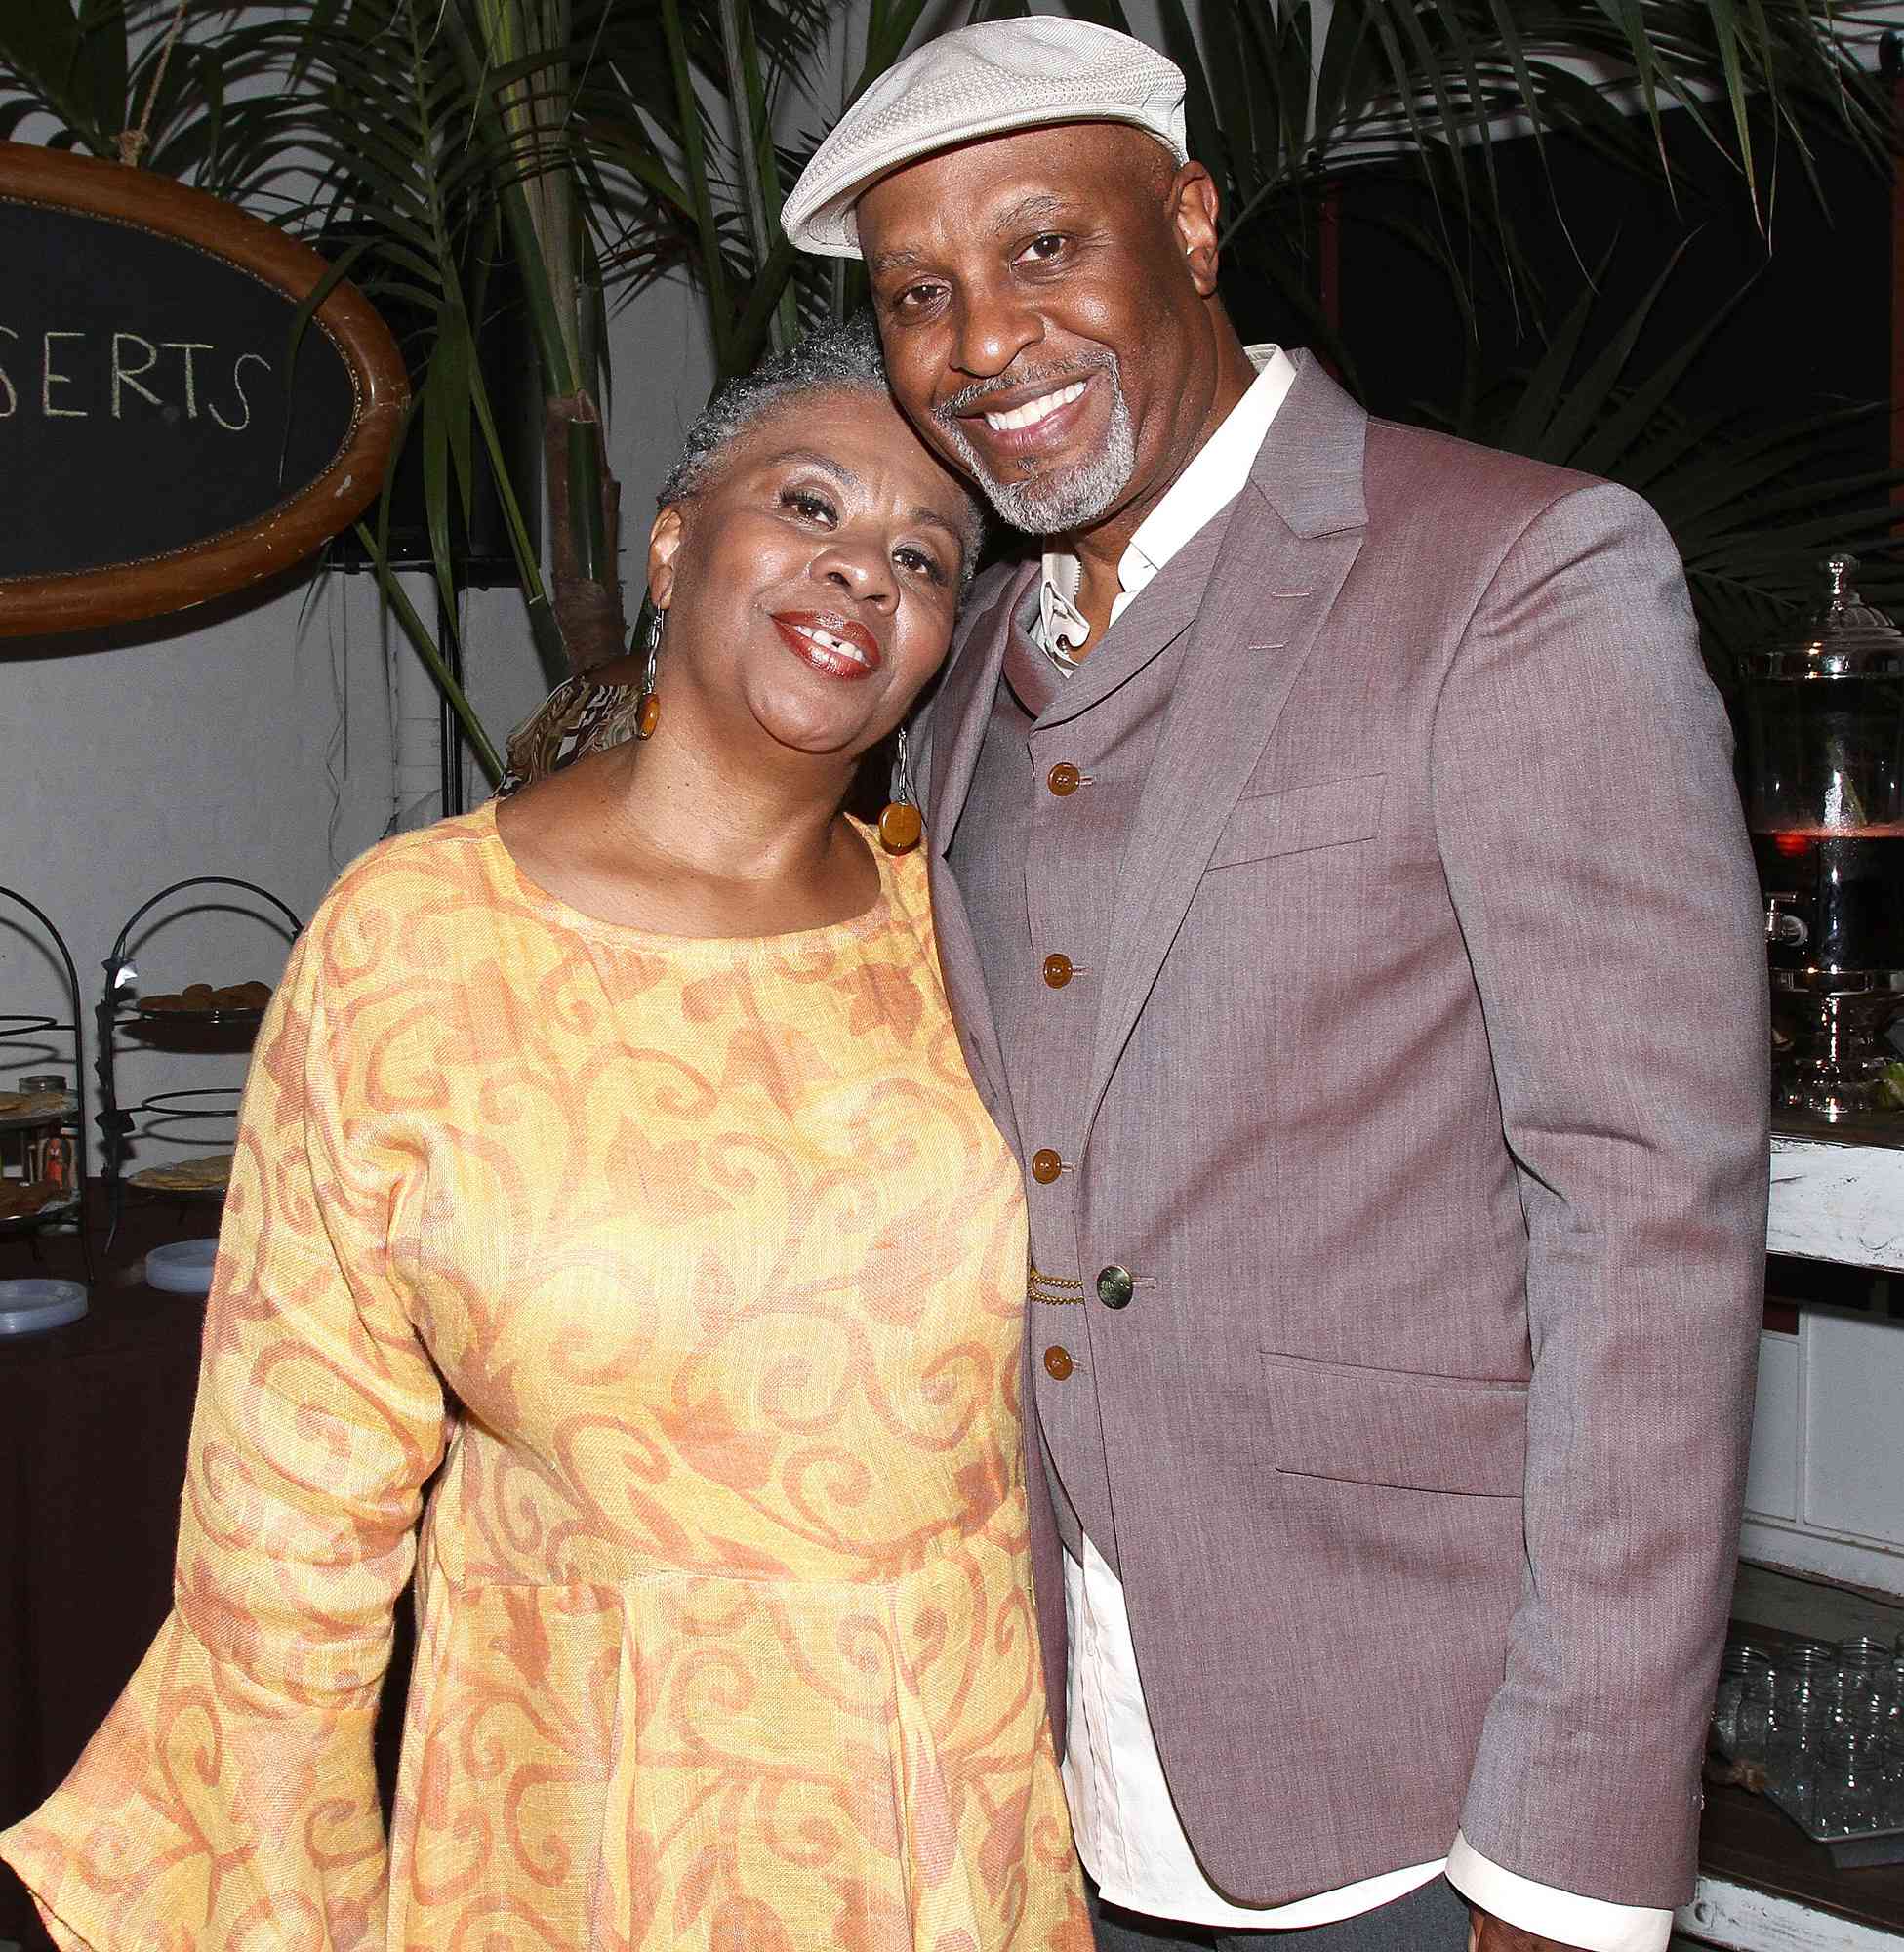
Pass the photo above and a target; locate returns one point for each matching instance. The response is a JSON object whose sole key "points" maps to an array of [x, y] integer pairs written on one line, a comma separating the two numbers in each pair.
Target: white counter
{"points": [[1838, 1200]]}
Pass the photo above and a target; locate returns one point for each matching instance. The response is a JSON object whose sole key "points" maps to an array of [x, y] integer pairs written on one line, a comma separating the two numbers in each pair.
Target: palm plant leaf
{"points": [[1287, 95], [757, 165], [706, 147], [1748, 513], [41, 46], [612, 141], [386, 130], [513, 57]]}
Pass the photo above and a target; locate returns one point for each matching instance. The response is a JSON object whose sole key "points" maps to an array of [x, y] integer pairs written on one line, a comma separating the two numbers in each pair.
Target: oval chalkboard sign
{"points": [[158, 443]]}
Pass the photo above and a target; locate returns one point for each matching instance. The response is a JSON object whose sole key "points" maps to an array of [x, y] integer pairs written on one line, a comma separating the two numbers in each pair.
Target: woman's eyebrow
{"points": [[938, 521], [811, 456], [827, 465]]}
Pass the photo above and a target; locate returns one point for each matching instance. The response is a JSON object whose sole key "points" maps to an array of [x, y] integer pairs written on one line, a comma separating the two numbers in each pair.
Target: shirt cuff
{"points": [[1587, 1922]]}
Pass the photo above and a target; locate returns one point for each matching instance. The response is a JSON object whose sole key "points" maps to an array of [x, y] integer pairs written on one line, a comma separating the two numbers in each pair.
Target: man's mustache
{"points": [[1047, 378]]}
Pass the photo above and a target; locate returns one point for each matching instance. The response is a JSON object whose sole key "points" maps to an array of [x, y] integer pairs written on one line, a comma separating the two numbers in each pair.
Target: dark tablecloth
{"points": [[92, 1425], [93, 1421]]}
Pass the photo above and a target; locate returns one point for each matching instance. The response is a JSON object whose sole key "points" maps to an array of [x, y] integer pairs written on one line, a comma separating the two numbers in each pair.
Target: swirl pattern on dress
{"points": [[677, 1287]]}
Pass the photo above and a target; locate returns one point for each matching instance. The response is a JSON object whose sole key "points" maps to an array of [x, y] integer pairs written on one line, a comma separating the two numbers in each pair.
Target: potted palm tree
{"points": [[599, 144]]}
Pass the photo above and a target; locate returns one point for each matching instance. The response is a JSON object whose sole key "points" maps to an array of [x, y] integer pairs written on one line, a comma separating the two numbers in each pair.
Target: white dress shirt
{"points": [[1125, 1822]]}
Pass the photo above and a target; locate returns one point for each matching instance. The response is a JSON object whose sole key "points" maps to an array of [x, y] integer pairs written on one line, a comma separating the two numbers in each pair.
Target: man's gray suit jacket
{"points": [[1414, 1068]]}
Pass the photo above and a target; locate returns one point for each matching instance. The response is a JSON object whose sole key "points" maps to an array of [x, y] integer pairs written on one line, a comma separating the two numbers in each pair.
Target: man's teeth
{"points": [[1033, 410], [828, 642]]}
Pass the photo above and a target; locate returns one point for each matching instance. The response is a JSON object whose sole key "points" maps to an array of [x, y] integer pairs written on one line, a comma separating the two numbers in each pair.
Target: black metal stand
{"points": [[449, 647], [18, 1028], [117, 1122]]}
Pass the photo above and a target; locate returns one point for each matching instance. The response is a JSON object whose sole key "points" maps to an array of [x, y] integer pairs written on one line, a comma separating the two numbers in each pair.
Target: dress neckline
{"points": [[869, 922]]}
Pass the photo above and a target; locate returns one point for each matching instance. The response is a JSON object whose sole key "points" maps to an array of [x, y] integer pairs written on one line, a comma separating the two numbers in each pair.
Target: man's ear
{"points": [[663, 545], [1195, 207]]}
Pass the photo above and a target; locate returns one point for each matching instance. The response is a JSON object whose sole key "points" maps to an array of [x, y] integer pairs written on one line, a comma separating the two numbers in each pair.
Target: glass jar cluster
{"points": [[1825, 802], [1824, 1720]]}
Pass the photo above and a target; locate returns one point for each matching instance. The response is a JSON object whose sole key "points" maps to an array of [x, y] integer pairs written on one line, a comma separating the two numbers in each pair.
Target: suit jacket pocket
{"points": [[1300, 817], [1390, 1427]]}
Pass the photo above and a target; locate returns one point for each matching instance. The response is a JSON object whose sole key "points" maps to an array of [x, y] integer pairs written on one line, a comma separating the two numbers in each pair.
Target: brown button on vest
{"points": [[1038, 856]]}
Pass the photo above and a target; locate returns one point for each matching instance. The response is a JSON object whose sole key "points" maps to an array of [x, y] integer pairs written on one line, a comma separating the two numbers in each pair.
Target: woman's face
{"points": [[810, 588]]}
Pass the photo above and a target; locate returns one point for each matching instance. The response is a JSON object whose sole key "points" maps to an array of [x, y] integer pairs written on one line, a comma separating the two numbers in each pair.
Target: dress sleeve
{"points": [[228, 1802]]}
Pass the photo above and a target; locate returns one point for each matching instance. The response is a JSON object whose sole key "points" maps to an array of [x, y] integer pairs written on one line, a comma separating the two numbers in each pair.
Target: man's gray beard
{"points": [[1075, 500]]}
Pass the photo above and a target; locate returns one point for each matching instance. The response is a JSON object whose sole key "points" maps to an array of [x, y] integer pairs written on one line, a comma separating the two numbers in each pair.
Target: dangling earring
{"points": [[901, 824], [648, 713]]}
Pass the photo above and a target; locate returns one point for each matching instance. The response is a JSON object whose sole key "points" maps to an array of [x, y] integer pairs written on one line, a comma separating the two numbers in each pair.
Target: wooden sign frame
{"points": [[129, 592]]}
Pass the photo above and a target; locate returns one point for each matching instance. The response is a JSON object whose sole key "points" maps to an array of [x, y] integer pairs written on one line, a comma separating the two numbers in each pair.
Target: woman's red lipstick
{"points": [[830, 643]]}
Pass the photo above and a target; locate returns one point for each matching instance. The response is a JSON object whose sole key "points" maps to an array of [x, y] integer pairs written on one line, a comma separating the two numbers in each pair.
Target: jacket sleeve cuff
{"points": [[1587, 1922]]}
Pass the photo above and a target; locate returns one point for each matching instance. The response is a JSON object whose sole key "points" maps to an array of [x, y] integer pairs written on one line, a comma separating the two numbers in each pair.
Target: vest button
{"points": [[1064, 778], [1115, 1286], [1046, 1166], [1057, 970], [1057, 1363]]}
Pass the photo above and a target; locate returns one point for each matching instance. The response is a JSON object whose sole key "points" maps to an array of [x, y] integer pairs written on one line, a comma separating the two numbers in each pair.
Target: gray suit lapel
{"points": [[1292, 537], [1146, 631], [962, 709], [960, 715]]}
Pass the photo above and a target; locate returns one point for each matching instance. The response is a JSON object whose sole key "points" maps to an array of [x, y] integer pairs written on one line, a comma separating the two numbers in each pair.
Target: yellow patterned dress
{"points": [[699, 1268]]}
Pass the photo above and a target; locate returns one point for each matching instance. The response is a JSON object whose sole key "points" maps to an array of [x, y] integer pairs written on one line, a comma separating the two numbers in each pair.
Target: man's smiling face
{"points": [[1043, 300]]}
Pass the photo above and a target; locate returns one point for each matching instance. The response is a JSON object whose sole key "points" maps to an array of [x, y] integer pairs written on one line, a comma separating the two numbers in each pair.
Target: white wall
{"points": [[176, 753], [1826, 1492]]}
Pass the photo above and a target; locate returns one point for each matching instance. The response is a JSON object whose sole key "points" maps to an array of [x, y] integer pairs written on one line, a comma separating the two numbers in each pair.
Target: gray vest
{"points": [[1038, 856]]}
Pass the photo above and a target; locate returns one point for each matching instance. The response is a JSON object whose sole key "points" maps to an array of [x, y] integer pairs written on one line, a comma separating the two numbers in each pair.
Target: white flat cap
{"points": [[980, 81]]}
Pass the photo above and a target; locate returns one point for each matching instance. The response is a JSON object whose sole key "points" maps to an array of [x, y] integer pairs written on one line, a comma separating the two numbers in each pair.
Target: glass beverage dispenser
{"points": [[1824, 803]]}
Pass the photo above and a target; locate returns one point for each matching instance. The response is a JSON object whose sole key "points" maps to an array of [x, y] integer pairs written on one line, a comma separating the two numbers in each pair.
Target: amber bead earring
{"points": [[901, 824], [648, 713]]}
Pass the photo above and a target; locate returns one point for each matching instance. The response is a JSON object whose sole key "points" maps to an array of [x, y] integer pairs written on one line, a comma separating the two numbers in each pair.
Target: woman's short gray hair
{"points": [[843, 358]]}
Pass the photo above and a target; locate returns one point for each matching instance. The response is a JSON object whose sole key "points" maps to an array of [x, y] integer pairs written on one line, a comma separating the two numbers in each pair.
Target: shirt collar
{"points": [[1213, 480]]}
